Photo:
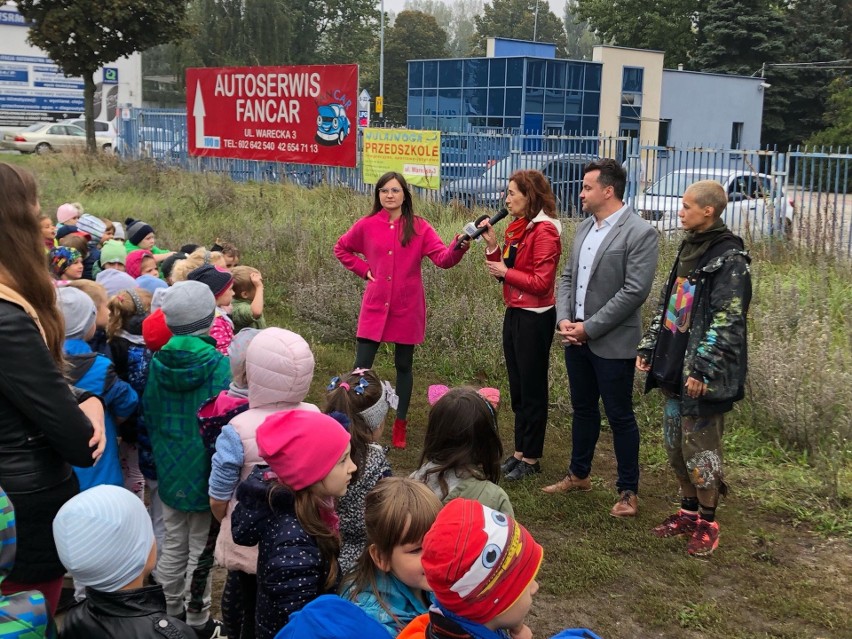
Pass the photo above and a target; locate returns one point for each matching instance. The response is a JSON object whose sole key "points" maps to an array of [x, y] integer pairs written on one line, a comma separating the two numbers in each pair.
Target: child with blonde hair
{"points": [[388, 582], [247, 306], [287, 509], [462, 450], [197, 258], [48, 231], [100, 297], [364, 399]]}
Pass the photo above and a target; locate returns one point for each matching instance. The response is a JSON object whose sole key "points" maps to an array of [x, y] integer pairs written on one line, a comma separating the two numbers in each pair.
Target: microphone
{"points": [[472, 230]]}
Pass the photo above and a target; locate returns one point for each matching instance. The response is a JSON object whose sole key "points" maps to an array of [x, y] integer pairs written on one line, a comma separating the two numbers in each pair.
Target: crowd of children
{"points": [[208, 426]]}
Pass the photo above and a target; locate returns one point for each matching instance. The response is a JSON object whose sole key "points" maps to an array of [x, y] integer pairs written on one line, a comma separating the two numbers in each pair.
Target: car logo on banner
{"points": [[301, 114]]}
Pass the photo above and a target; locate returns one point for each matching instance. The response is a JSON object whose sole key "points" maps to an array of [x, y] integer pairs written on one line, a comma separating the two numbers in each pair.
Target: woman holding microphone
{"points": [[527, 268]]}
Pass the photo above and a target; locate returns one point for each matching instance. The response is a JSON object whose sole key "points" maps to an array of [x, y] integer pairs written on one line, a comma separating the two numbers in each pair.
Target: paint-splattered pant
{"points": [[694, 446]]}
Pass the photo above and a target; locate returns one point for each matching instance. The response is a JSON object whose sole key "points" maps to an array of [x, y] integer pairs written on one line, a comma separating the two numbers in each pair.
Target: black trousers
{"points": [[527, 337]]}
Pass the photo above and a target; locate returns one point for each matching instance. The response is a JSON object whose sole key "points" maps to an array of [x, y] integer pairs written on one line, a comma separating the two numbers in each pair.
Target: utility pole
{"points": [[382, 65]]}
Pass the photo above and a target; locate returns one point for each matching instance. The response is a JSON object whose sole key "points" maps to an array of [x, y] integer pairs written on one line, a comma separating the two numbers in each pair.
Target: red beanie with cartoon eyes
{"points": [[478, 561]]}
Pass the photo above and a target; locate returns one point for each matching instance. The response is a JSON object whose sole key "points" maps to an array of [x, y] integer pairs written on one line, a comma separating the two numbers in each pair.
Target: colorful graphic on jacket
{"points": [[679, 307]]}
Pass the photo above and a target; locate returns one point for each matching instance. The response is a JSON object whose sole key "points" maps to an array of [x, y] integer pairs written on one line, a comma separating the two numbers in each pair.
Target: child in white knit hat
{"points": [[105, 540]]}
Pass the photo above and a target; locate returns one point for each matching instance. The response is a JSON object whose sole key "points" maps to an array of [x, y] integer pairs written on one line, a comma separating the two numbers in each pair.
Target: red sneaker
{"points": [[398, 435], [704, 540], [677, 525]]}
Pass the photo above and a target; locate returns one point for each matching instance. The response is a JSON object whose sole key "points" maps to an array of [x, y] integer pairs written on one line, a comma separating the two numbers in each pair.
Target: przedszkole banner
{"points": [[304, 114]]}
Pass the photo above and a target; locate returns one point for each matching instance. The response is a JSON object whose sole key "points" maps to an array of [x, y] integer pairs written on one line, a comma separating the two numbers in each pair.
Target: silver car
{"points": [[563, 170], [753, 207], [44, 137]]}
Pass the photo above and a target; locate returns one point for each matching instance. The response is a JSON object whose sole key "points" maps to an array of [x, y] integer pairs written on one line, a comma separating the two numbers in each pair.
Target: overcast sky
{"points": [[398, 5]]}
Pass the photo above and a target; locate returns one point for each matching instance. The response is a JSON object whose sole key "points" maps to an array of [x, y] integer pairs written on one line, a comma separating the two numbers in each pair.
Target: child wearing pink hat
{"points": [[481, 565], [288, 510]]}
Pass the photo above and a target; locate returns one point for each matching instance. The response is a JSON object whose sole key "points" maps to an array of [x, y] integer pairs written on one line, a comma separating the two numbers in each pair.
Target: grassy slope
{"points": [[784, 564]]}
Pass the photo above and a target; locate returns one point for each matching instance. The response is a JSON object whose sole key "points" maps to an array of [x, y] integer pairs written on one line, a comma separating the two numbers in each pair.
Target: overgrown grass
{"points": [[787, 444]]}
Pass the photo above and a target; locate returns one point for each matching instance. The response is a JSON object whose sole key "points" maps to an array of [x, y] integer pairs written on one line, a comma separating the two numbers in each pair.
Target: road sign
{"points": [[110, 75], [380, 103], [363, 117], [364, 96], [304, 114]]}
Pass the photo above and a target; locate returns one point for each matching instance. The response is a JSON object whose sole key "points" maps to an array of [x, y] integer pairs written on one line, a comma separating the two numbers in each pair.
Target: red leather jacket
{"points": [[531, 283]]}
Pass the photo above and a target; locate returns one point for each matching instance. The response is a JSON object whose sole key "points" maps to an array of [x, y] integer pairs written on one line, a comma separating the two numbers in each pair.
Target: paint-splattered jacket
{"points": [[716, 349]]}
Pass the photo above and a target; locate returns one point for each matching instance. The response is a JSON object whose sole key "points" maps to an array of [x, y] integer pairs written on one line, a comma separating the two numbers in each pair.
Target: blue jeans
{"points": [[592, 378]]}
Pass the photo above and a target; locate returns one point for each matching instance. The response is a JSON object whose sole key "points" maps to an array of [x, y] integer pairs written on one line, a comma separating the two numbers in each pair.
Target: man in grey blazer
{"points": [[603, 286]]}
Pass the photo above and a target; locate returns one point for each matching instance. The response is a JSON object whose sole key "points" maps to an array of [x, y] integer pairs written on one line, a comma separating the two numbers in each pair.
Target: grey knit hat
{"points": [[79, 312], [103, 537], [189, 308], [92, 225]]}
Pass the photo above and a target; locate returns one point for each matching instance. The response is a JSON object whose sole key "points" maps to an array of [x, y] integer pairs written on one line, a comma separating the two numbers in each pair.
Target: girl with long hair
{"points": [[386, 248], [288, 510], [43, 431]]}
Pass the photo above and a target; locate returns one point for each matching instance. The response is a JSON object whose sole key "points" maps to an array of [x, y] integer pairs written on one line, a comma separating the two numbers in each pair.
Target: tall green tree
{"points": [[414, 35], [83, 35], [664, 25], [738, 36], [819, 37], [455, 18], [837, 118], [517, 19], [579, 35]]}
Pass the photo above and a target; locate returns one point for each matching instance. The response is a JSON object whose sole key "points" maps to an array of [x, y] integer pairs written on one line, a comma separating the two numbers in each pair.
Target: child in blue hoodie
{"points": [[388, 582], [94, 373]]}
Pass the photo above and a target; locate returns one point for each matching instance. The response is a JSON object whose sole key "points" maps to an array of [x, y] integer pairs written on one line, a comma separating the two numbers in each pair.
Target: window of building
{"points": [[513, 102], [535, 73], [534, 100], [631, 79], [450, 73], [430, 74], [554, 101], [475, 72], [495, 101], [415, 75], [592, 77], [737, 135], [415, 102], [663, 135], [574, 75], [555, 74], [514, 72], [497, 72]]}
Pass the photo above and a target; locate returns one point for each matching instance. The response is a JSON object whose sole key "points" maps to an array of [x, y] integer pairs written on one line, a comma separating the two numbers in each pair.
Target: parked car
{"points": [[103, 128], [44, 137], [563, 170], [332, 124], [751, 209]]}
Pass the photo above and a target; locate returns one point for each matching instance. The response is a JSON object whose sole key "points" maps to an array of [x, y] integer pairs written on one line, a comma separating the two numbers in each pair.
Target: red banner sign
{"points": [[304, 114]]}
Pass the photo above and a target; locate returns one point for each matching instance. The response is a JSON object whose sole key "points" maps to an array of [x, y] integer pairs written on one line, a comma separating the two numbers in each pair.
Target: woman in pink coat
{"points": [[393, 242]]}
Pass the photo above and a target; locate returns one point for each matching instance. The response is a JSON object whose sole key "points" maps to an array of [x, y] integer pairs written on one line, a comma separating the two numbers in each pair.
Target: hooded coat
{"points": [[279, 370], [183, 375]]}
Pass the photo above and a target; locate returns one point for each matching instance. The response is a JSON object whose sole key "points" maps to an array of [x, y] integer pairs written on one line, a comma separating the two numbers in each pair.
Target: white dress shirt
{"points": [[592, 242]]}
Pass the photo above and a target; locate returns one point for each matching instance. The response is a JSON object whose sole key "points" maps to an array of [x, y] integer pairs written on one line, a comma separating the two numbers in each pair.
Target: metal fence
{"points": [[803, 195]]}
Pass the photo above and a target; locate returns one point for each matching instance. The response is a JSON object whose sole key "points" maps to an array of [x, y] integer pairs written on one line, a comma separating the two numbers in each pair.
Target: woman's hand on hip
{"points": [[93, 408]]}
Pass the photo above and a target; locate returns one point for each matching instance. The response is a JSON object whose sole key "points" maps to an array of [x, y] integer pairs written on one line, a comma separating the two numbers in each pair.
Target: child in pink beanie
{"points": [[287, 509]]}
